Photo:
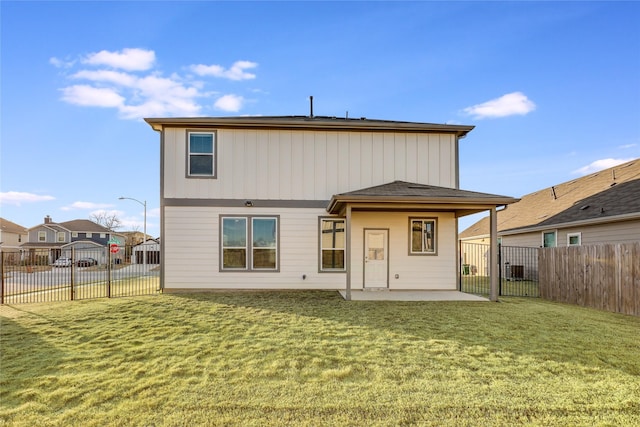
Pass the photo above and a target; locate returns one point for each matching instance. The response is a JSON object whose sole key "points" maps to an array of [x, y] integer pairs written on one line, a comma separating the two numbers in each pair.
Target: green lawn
{"points": [[310, 358]]}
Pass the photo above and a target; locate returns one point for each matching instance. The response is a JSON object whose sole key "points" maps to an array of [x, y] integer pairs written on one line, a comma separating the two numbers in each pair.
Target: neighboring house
{"points": [[152, 250], [603, 207], [80, 235], [304, 202], [12, 235]]}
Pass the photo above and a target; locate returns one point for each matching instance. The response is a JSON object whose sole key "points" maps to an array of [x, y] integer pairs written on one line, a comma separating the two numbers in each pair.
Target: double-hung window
{"points": [[201, 153], [332, 244], [249, 243], [60, 236], [423, 236], [549, 239], [42, 236]]}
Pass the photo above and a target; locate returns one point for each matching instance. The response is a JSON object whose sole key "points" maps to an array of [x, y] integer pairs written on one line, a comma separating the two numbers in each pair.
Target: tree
{"points": [[107, 220]]}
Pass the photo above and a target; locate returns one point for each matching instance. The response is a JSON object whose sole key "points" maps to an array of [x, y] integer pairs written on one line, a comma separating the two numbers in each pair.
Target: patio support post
{"points": [[493, 254], [347, 254]]}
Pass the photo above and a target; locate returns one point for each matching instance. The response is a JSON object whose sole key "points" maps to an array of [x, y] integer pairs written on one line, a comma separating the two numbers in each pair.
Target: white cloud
{"points": [[231, 103], [148, 94], [127, 59], [86, 205], [599, 165], [236, 72], [107, 76], [626, 146], [17, 198], [515, 103], [92, 96]]}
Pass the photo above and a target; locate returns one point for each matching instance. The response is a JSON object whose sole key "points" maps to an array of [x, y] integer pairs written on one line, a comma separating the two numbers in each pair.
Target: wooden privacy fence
{"points": [[605, 277]]}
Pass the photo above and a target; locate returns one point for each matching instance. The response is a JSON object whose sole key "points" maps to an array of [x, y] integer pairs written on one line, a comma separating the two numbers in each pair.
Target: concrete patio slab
{"points": [[387, 295]]}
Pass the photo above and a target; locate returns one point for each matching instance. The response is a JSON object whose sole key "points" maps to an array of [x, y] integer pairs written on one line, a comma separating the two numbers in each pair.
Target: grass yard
{"points": [[310, 358]]}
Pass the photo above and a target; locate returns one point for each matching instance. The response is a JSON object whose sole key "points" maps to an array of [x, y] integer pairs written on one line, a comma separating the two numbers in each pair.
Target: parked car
{"points": [[62, 262], [87, 262]]}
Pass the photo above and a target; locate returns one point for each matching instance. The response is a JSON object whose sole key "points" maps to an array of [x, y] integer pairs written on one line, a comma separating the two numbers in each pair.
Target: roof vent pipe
{"points": [[553, 192], [311, 107]]}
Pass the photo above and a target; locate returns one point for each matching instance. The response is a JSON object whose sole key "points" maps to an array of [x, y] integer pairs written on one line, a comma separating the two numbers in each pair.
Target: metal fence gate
{"points": [[518, 270], [58, 274]]}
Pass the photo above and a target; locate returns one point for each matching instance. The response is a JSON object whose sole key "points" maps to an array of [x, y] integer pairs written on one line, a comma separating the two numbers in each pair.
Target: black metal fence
{"points": [[58, 274], [518, 270]]}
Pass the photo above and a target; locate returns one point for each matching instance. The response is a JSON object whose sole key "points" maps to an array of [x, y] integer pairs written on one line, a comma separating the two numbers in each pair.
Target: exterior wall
{"points": [[51, 235], [192, 251], [308, 165], [619, 232], [12, 240], [432, 272]]}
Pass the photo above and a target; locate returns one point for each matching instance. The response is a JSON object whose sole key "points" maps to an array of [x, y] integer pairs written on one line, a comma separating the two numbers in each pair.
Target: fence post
{"points": [[500, 269], [109, 260], [1, 277], [72, 276]]}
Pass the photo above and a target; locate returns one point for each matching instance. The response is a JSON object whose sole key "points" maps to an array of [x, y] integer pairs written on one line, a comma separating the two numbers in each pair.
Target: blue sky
{"points": [[553, 88]]}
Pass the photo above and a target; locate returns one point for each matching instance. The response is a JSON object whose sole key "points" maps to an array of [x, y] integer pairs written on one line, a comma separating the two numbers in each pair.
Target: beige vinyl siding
{"points": [[433, 272], [617, 232], [192, 251], [308, 165]]}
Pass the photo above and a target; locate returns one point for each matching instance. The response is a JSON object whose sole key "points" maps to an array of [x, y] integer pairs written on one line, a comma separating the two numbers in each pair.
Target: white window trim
{"points": [[578, 235], [214, 154], [42, 236], [60, 237]]}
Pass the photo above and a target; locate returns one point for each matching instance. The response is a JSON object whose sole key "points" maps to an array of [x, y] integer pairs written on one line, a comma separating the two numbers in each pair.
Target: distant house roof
{"points": [[84, 225], [308, 122], [604, 196], [420, 194], [11, 227]]}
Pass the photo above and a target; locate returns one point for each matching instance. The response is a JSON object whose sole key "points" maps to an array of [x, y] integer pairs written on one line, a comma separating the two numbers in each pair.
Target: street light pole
{"points": [[144, 239]]}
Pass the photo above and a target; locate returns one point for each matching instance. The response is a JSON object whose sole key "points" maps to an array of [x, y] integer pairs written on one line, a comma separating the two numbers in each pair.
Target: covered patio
{"points": [[401, 196]]}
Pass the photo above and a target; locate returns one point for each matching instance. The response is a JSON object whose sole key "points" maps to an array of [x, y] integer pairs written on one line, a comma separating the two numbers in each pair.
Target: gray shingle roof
{"points": [[84, 225], [607, 193], [408, 192]]}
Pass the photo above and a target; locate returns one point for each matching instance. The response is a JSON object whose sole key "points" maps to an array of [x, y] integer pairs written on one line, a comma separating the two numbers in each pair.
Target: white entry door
{"points": [[376, 256]]}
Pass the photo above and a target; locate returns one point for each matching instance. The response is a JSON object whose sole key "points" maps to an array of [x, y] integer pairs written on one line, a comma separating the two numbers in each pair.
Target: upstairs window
{"points": [[201, 154], [61, 237], [42, 236], [332, 244], [423, 236]]}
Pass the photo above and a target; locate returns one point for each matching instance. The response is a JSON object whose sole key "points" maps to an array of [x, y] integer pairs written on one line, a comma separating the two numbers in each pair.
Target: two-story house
{"points": [[61, 239], [304, 202], [12, 235]]}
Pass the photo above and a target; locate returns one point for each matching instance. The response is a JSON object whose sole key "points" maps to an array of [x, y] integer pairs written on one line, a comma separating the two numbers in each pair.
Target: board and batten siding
{"points": [[308, 165]]}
